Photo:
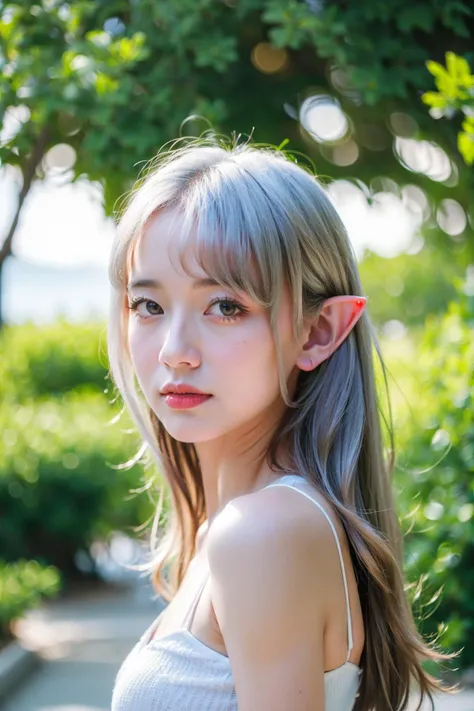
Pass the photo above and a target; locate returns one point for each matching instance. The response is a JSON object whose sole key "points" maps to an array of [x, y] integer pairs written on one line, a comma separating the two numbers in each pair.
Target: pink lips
{"points": [[184, 402]]}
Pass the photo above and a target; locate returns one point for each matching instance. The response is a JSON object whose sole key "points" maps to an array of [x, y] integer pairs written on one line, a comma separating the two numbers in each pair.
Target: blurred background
{"points": [[379, 99]]}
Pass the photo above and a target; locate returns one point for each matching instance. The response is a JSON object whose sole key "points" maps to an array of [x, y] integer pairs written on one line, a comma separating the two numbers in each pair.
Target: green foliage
{"points": [[402, 287], [62, 484], [23, 585], [118, 80], [455, 93], [57, 485], [51, 360], [375, 43], [435, 475]]}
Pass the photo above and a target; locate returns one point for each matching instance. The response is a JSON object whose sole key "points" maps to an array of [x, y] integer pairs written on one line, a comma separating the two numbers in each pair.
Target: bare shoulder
{"points": [[281, 529], [269, 572], [275, 510]]}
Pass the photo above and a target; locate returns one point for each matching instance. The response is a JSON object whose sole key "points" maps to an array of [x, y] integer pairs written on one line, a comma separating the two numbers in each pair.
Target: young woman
{"points": [[240, 341]]}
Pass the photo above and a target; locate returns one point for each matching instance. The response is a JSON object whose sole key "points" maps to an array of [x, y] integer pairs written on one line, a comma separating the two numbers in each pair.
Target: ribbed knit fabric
{"points": [[177, 672]]}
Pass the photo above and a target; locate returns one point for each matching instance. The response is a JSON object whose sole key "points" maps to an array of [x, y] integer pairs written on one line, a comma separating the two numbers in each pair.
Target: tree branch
{"points": [[28, 173]]}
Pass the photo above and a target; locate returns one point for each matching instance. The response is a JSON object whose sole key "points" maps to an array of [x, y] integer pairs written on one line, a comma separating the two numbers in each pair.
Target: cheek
{"points": [[248, 363], [140, 352]]}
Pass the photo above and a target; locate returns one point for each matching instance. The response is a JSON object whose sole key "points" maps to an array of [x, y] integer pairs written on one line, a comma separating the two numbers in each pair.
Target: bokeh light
{"points": [[342, 154], [322, 117], [269, 59], [12, 122], [382, 224], [402, 124], [340, 80], [394, 329], [59, 158], [416, 201], [423, 157], [68, 124], [451, 217]]}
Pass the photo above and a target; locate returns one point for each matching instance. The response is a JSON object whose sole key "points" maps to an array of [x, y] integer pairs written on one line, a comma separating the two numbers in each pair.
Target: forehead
{"points": [[160, 242], [169, 240]]}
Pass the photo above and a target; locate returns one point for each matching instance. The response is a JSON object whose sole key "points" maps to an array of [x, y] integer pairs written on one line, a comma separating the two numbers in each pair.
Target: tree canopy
{"points": [[113, 81]]}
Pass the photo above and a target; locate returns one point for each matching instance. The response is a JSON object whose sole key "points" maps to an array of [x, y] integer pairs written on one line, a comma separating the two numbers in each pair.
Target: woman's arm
{"points": [[270, 595]]}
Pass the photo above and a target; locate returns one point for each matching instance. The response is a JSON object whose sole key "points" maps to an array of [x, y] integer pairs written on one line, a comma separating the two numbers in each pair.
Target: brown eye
{"points": [[135, 303], [232, 304], [153, 306], [227, 305]]}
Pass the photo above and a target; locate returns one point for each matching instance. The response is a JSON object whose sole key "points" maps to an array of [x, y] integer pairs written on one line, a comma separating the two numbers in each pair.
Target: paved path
{"points": [[85, 638], [83, 641]]}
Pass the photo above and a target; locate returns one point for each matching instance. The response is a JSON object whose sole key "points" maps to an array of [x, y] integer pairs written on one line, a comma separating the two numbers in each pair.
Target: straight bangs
{"points": [[234, 232]]}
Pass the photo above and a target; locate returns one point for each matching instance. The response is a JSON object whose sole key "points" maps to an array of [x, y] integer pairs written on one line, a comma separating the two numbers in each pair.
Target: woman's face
{"points": [[225, 349]]}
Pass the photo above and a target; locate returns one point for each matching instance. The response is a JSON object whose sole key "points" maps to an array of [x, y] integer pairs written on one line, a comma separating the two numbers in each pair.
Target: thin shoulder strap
{"points": [[349, 620], [190, 612]]}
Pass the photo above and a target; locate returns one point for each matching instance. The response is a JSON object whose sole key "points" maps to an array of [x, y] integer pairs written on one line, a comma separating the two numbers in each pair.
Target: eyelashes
{"points": [[242, 310]]}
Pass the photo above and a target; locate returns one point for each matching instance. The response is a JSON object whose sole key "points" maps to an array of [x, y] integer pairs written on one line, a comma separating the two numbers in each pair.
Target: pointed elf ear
{"points": [[336, 320]]}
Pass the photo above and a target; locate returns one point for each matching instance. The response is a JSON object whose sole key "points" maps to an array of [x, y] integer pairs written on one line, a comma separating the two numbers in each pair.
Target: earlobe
{"points": [[336, 320]]}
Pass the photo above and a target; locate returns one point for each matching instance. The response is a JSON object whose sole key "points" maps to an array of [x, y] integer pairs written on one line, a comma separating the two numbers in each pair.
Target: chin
{"points": [[187, 434]]}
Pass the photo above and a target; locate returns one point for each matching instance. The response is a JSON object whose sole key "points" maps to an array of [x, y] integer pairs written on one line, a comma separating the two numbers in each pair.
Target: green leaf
{"points": [[458, 68], [468, 125], [105, 84], [416, 16], [436, 69], [466, 147], [434, 99]]}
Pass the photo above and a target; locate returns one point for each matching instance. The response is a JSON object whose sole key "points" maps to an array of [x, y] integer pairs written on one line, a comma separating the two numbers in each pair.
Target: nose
{"points": [[178, 348]]}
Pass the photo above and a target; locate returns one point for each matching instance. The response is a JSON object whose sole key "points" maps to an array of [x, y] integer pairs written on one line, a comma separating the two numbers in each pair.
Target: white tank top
{"points": [[177, 671]]}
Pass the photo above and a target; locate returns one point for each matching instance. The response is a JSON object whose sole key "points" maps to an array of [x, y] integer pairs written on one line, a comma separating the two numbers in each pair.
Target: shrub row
{"points": [[435, 478], [61, 487], [23, 585], [58, 487], [49, 360]]}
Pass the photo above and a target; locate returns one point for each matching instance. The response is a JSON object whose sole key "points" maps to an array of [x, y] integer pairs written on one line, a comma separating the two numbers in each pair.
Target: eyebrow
{"points": [[154, 284]]}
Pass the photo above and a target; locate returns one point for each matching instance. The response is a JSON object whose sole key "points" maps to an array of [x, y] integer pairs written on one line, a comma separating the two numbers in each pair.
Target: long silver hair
{"points": [[256, 204]]}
